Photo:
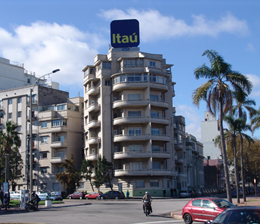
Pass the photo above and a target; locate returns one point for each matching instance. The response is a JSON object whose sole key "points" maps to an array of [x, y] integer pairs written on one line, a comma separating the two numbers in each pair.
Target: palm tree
{"points": [[218, 94], [243, 105], [255, 121]]}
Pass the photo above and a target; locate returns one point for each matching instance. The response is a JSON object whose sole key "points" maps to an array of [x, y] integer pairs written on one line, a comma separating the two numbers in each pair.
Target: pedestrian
{"points": [[171, 192], [175, 192], [127, 194], [1, 198], [164, 192]]}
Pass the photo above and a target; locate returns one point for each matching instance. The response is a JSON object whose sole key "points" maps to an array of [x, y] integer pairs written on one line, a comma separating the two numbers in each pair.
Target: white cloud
{"points": [[43, 47], [250, 47], [192, 119], [256, 84], [154, 25]]}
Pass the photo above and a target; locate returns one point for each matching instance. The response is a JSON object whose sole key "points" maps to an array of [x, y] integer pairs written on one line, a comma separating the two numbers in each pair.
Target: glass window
{"points": [[19, 128], [196, 203], [10, 115], [134, 96], [61, 107], [154, 183], [19, 114], [154, 97], [43, 155], [134, 113], [107, 82], [136, 166], [135, 148], [155, 148], [122, 78], [208, 204], [57, 123], [106, 65], [152, 63], [135, 131], [139, 184], [44, 139], [155, 131], [10, 101], [154, 114], [19, 100], [43, 170], [44, 124], [141, 61], [156, 165]]}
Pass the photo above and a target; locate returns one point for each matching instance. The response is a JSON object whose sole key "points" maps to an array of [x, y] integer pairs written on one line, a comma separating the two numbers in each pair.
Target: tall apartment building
{"points": [[128, 119]]}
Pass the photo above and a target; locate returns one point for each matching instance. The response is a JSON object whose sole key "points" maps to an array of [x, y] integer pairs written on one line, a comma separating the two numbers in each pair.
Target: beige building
{"points": [[128, 119]]}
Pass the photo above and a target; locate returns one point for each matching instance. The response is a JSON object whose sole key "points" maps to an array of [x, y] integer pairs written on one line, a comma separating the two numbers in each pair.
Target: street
{"points": [[100, 211]]}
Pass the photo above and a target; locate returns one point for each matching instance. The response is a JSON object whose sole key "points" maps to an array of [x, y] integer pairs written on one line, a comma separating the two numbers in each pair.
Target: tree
{"points": [[217, 93], [255, 121], [103, 173], [9, 146], [87, 171], [243, 105], [70, 177]]}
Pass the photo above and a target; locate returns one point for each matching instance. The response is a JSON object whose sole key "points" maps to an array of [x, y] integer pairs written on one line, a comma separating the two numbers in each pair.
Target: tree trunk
{"points": [[224, 152], [242, 168], [236, 168]]}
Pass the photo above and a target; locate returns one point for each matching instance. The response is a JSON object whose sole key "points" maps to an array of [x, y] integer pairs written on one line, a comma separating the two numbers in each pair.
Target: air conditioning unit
{"points": [[115, 132]]}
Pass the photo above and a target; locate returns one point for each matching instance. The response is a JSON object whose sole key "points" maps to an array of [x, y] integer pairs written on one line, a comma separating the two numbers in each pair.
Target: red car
{"points": [[93, 195], [204, 209], [78, 195]]}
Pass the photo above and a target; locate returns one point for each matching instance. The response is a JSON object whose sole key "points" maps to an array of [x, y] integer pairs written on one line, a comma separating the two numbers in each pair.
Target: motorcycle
{"points": [[147, 207], [31, 205]]}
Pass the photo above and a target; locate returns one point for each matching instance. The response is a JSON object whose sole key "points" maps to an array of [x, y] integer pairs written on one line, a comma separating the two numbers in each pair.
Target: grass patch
{"points": [[16, 203]]}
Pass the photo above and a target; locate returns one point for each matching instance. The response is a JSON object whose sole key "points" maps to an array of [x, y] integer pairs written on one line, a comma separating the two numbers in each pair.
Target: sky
{"points": [[67, 34]]}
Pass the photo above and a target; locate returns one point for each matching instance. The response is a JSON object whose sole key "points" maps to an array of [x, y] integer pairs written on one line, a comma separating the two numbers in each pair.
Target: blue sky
{"points": [[67, 34]]}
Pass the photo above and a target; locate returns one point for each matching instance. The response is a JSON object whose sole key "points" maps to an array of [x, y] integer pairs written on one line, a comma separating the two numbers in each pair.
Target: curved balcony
{"points": [[93, 107], [159, 86], [130, 85], [93, 124], [130, 120], [161, 154], [179, 160], [59, 129], [122, 138], [93, 91], [160, 120], [178, 131], [143, 172], [57, 159], [127, 155], [90, 77], [59, 144], [130, 103], [178, 146], [161, 104], [92, 157], [161, 137], [93, 140]]}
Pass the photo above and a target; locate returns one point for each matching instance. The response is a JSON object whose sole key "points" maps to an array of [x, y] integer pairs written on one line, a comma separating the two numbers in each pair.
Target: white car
{"points": [[14, 195], [184, 194]]}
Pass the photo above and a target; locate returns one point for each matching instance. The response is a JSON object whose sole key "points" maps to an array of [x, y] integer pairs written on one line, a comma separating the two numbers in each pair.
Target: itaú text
{"points": [[124, 39]]}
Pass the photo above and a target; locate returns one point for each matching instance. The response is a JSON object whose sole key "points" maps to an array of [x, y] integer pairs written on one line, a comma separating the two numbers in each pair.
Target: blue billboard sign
{"points": [[124, 33]]}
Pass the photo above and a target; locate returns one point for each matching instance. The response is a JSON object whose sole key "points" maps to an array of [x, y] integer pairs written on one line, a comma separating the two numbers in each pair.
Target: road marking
{"points": [[172, 221]]}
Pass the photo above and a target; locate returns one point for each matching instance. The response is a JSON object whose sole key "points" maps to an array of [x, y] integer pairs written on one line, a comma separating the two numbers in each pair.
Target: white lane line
{"points": [[172, 221]]}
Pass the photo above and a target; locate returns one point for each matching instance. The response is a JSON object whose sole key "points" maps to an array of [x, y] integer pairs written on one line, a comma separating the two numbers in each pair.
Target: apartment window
{"points": [[58, 139], [134, 96], [152, 63], [155, 131], [57, 123], [135, 148], [106, 65], [61, 107], [145, 77], [141, 62], [44, 139], [135, 131], [28, 81], [10, 101], [19, 128], [10, 115], [19, 100], [139, 184], [19, 114], [43, 170], [44, 124], [134, 77], [156, 148], [154, 183], [127, 62], [154, 114], [158, 79], [136, 166], [58, 169], [44, 155], [134, 113], [156, 165], [154, 97], [122, 78], [107, 82]]}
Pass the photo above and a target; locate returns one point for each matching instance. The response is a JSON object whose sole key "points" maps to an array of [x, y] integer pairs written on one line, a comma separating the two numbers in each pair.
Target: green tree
{"points": [[70, 177], [9, 146], [87, 171], [103, 173], [217, 94], [240, 109]]}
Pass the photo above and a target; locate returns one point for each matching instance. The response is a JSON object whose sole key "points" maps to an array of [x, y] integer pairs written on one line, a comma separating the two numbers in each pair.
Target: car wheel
{"points": [[187, 218], [69, 197]]}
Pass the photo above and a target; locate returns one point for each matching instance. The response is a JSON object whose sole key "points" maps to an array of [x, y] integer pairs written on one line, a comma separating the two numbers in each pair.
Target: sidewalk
{"points": [[250, 201]]}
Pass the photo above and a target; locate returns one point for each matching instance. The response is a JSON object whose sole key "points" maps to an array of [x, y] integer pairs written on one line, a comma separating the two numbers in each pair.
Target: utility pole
{"points": [[6, 167]]}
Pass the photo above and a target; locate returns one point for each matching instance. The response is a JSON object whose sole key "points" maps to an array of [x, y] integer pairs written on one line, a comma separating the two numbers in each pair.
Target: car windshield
{"points": [[221, 203]]}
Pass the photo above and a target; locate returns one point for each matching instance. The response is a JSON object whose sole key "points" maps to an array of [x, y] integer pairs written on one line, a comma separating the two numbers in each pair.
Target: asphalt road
{"points": [[127, 211]]}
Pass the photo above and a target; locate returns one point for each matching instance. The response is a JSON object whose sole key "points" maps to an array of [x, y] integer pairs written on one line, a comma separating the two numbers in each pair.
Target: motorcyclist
{"points": [[35, 200], [147, 197]]}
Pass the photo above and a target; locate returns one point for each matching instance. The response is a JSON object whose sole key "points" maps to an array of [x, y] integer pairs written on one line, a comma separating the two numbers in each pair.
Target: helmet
{"points": [[147, 192]]}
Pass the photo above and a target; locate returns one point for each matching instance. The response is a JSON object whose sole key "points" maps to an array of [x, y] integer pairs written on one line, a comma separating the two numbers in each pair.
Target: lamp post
{"points": [[255, 186], [31, 160]]}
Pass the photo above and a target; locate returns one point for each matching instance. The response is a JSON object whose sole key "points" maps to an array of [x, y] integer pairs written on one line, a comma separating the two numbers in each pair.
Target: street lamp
{"points": [[255, 186], [31, 160]]}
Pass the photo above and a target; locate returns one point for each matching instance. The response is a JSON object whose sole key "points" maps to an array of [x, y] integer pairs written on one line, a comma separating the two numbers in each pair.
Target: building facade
{"points": [[128, 119]]}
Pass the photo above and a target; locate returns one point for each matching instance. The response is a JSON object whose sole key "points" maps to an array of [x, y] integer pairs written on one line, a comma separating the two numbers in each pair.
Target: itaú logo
{"points": [[124, 33]]}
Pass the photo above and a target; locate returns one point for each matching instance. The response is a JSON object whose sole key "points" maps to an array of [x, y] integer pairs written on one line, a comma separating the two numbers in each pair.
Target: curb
{"points": [[176, 215]]}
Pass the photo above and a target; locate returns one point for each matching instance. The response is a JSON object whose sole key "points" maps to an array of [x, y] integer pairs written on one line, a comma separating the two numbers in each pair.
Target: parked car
{"points": [[56, 196], [14, 195], [77, 195], [43, 195], [245, 215], [204, 209], [112, 195], [184, 194], [93, 195], [234, 192]]}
